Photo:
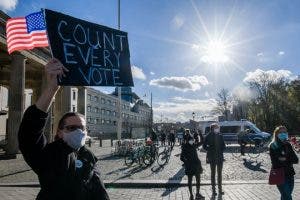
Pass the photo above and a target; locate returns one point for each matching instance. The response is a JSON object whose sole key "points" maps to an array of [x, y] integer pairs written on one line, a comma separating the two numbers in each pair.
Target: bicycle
{"points": [[164, 157], [295, 144], [134, 155]]}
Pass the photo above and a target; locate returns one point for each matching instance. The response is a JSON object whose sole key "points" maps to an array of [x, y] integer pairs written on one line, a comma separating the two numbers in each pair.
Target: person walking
{"points": [[214, 145], [283, 156], [192, 165], [66, 168], [163, 138]]}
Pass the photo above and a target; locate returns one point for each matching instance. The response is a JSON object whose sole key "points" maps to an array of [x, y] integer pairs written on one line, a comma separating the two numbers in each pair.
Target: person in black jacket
{"points": [[192, 164], [283, 155], [214, 145], [65, 168]]}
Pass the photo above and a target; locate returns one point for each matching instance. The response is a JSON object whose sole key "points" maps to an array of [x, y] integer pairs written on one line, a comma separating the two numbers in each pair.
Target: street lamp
{"points": [[193, 114]]}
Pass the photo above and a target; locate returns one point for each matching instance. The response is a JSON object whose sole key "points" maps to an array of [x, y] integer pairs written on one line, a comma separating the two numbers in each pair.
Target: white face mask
{"points": [[217, 130], [75, 139], [191, 142]]}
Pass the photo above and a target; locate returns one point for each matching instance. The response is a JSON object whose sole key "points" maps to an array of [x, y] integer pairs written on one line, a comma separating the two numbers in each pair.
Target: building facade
{"points": [[102, 116]]}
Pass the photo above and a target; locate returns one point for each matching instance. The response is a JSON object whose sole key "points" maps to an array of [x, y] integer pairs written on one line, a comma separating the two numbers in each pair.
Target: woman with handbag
{"points": [[282, 157]]}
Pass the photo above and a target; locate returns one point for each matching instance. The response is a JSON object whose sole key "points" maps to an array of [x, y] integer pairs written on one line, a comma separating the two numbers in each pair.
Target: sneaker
{"points": [[199, 196]]}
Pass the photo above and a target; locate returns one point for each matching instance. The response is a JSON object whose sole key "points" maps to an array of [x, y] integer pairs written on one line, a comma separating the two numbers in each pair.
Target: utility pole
{"points": [[151, 112], [119, 128]]}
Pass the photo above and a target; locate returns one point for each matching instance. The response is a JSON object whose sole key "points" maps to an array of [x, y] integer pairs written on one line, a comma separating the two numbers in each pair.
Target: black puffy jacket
{"points": [[55, 163]]}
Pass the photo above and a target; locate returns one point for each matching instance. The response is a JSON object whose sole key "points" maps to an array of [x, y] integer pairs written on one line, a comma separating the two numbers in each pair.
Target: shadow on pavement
{"points": [[252, 166], [178, 176], [109, 157]]}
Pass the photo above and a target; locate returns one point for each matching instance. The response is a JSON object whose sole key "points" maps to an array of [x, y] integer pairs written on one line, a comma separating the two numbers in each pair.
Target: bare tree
{"points": [[224, 103]]}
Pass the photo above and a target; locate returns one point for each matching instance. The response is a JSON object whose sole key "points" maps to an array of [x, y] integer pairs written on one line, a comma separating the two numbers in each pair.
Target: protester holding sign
{"points": [[66, 169]]}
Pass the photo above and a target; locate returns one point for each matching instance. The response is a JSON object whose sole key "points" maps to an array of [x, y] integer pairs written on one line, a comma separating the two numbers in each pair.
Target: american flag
{"points": [[26, 32]]}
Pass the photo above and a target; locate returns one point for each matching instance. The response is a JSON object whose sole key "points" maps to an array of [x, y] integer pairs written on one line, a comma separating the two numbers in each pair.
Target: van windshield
{"points": [[253, 127]]}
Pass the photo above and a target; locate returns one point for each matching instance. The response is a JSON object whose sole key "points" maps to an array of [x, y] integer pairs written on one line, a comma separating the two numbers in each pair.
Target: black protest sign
{"points": [[95, 55]]}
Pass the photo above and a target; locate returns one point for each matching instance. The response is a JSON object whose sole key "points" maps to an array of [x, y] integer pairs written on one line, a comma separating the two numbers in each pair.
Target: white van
{"points": [[230, 130]]}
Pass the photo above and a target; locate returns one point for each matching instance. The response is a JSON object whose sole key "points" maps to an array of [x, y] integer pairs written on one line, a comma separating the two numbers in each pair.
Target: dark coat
{"points": [[191, 160], [55, 163], [214, 145], [279, 149]]}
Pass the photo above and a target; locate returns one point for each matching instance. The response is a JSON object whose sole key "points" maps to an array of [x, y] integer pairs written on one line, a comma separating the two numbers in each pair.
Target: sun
{"points": [[215, 52]]}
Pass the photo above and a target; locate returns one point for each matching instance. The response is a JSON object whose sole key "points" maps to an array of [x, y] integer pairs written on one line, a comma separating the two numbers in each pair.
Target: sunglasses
{"points": [[74, 127]]}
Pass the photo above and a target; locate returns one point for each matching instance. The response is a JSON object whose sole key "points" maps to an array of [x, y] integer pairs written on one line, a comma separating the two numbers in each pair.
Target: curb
{"points": [[147, 183]]}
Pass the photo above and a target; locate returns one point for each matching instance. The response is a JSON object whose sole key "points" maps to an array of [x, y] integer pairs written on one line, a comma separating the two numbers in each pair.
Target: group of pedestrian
{"points": [[170, 138], [214, 145], [67, 169]]}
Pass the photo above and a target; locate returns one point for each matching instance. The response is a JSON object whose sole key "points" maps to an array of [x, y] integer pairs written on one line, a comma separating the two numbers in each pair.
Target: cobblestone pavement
{"points": [[232, 192], [113, 168]]}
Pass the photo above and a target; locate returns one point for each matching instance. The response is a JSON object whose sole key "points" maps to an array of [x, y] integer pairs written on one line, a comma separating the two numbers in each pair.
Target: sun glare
{"points": [[215, 52]]}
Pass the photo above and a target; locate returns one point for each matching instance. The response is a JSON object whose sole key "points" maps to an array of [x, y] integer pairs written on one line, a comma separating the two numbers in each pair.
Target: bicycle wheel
{"points": [[254, 151], [162, 158], [236, 151], [147, 159], [129, 159]]}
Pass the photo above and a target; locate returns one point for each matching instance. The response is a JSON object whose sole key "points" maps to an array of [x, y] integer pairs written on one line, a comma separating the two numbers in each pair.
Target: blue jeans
{"points": [[286, 188]]}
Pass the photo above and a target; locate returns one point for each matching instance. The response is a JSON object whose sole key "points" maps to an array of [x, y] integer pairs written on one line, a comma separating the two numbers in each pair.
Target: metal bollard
{"points": [[100, 142], [90, 142], [111, 142]]}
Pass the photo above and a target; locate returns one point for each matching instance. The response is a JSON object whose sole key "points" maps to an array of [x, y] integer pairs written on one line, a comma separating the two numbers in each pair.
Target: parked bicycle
{"points": [[164, 157], [295, 143], [140, 154]]}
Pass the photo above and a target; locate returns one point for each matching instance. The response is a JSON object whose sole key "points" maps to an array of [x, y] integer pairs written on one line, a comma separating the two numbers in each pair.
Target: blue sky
{"points": [[167, 38]]}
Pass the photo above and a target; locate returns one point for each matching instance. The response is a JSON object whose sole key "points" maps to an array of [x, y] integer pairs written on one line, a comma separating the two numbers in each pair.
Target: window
{"points": [[114, 113], [73, 108], [96, 110], [89, 97], [108, 121], [102, 121], [89, 119], [115, 103], [108, 112], [97, 121], [89, 108], [102, 100], [74, 95], [96, 98], [103, 111], [109, 102], [115, 123], [123, 115], [230, 129]]}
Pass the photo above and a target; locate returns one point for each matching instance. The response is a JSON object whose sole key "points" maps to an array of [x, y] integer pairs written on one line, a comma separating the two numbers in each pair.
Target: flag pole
{"points": [[119, 128]]}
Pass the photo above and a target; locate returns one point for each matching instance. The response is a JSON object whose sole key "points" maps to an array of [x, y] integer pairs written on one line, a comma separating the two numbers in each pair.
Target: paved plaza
{"points": [[232, 192], [244, 177]]}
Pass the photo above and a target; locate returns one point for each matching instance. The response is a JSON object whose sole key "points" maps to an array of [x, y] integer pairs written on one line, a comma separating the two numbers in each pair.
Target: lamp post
{"points": [[193, 114]]}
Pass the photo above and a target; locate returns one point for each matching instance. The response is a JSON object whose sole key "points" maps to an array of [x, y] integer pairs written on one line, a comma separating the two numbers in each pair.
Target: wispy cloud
{"points": [[8, 5], [181, 109], [177, 22], [281, 53], [152, 73], [190, 83], [138, 73], [260, 54]]}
